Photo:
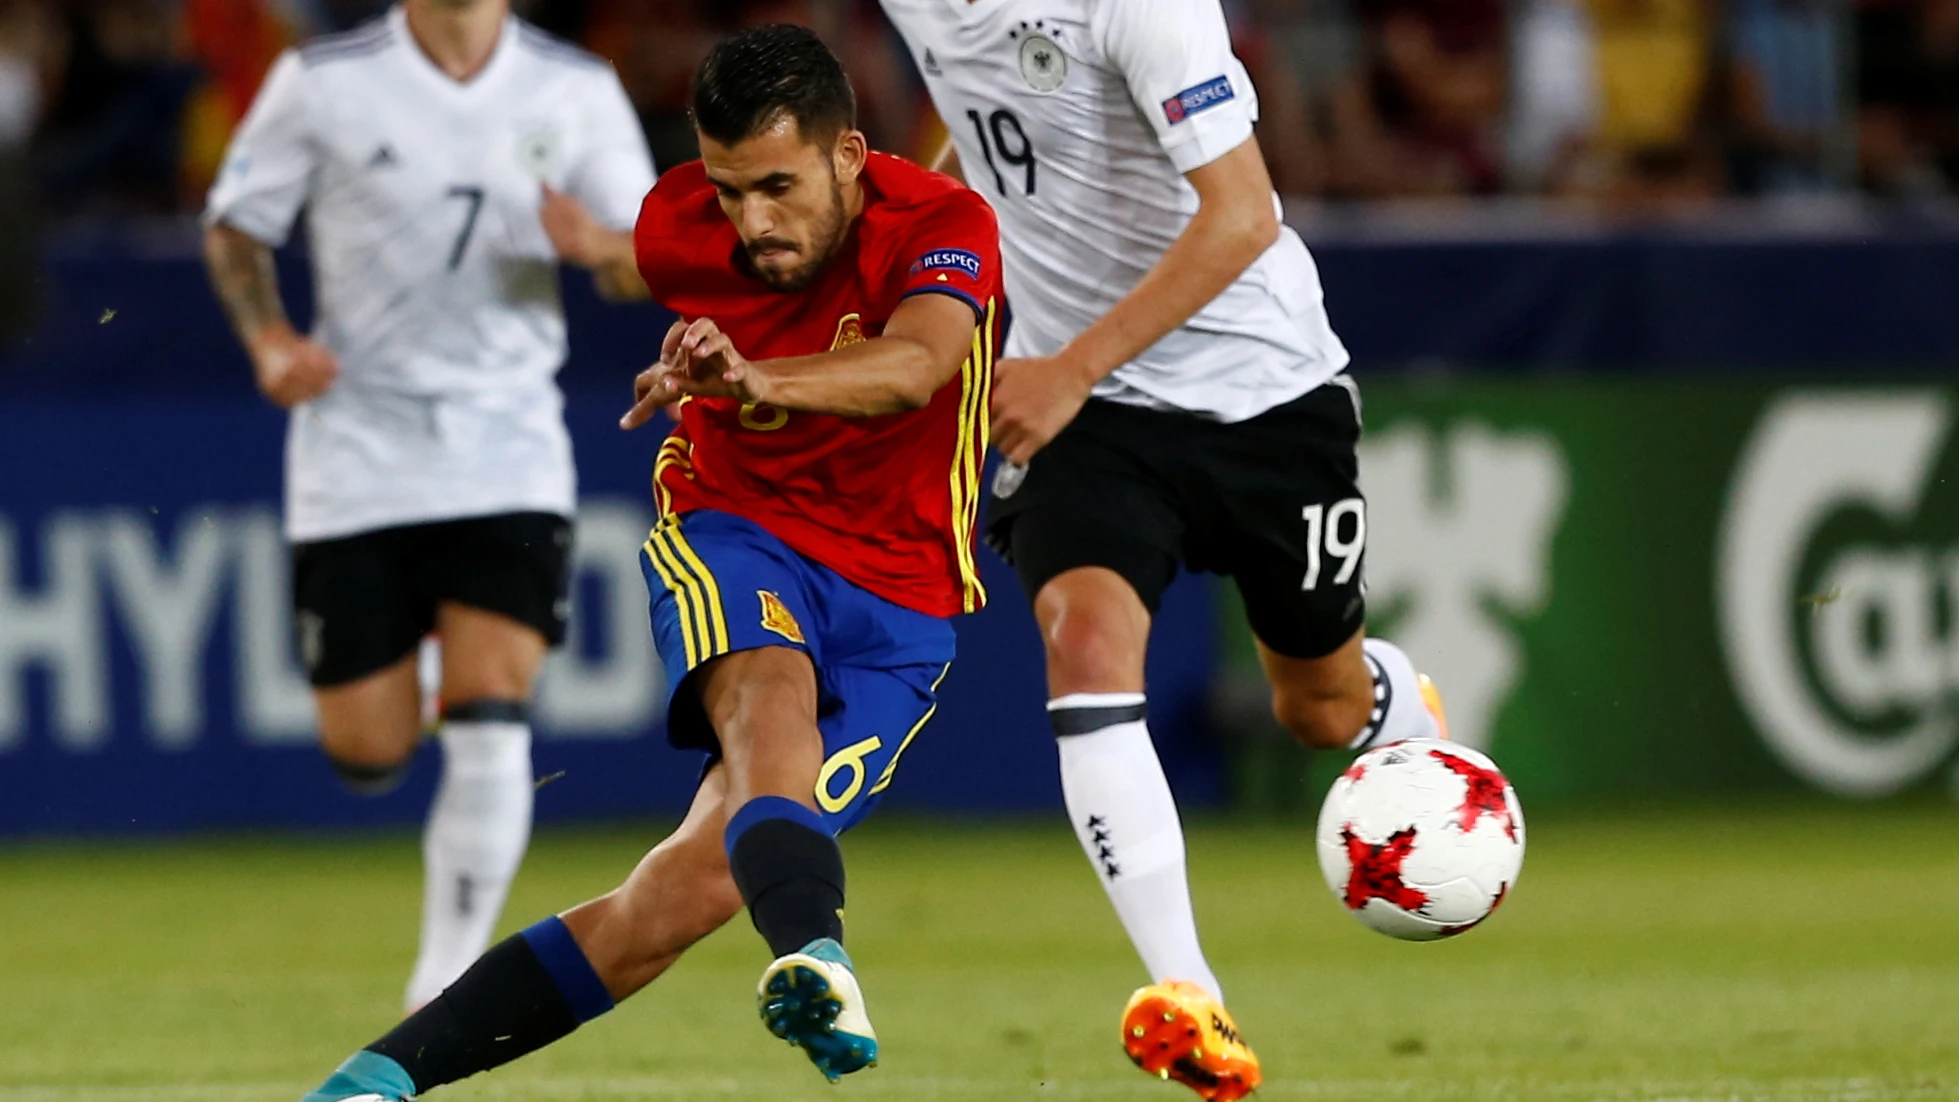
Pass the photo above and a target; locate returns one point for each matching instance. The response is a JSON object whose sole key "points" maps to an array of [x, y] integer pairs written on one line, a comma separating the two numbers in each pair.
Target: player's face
{"points": [[791, 199]]}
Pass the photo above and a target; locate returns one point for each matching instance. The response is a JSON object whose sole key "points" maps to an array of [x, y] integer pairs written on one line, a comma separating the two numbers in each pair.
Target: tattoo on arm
{"points": [[247, 284]]}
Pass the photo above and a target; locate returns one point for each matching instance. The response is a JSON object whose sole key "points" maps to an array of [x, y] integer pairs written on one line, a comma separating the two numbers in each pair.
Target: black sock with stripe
{"points": [[790, 872], [529, 990]]}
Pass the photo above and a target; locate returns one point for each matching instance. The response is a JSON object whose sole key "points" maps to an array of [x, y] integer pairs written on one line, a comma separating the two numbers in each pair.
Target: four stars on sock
{"points": [[1098, 829]]}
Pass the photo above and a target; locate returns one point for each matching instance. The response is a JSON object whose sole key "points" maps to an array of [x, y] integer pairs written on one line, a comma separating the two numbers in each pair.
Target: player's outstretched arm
{"points": [[1034, 399], [923, 345], [1235, 223], [927, 339], [290, 368]]}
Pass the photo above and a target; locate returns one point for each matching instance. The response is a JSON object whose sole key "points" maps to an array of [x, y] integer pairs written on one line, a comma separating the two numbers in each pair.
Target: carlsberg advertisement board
{"points": [[1644, 587]]}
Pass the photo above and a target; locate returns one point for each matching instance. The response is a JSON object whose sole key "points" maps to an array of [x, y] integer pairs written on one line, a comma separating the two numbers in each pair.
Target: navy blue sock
{"points": [[529, 990], [789, 870]]}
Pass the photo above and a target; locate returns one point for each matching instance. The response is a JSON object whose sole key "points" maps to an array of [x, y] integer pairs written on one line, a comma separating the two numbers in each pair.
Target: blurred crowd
{"points": [[123, 106]]}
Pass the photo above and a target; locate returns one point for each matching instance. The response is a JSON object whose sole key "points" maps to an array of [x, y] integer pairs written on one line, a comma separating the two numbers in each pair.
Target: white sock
{"points": [[1122, 810], [1398, 709], [477, 830]]}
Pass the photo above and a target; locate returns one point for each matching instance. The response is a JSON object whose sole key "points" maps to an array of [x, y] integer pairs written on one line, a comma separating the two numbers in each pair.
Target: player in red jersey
{"points": [[818, 503], [806, 445]]}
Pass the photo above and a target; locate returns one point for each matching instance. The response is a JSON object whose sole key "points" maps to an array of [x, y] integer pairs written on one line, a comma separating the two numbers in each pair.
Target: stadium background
{"points": [[1592, 256], [1652, 302]]}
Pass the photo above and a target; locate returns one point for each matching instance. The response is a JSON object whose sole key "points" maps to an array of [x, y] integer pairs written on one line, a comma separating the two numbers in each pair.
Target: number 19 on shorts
{"points": [[1341, 529]]}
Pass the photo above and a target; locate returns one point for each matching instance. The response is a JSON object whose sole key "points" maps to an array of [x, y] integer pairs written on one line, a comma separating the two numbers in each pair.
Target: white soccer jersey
{"points": [[436, 285], [1078, 119]]}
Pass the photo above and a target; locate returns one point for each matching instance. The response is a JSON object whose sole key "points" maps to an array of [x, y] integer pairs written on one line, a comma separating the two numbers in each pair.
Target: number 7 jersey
{"points": [[435, 283], [1077, 119]]}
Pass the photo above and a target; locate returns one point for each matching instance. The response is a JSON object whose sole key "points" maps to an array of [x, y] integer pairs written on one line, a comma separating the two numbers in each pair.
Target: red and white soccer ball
{"points": [[1421, 839]]}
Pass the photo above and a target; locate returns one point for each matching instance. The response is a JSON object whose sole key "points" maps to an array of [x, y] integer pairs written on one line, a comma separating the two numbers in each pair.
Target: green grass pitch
{"points": [[1767, 952]]}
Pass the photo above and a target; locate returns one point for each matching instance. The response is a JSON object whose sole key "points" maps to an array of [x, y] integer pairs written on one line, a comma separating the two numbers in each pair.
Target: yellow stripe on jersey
{"points": [[674, 452], [706, 577], [975, 390], [975, 456], [983, 426], [956, 482], [680, 596], [982, 434]]}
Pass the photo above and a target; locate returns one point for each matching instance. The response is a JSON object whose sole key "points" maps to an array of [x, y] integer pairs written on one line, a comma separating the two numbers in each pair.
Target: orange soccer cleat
{"points": [[1432, 700], [1176, 1030]]}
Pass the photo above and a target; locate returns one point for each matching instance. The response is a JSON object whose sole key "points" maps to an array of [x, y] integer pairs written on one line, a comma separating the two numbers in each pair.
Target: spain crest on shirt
{"points": [[850, 330]]}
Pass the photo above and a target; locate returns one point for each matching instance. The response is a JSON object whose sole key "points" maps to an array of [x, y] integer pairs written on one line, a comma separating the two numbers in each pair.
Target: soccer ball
{"points": [[1421, 839]]}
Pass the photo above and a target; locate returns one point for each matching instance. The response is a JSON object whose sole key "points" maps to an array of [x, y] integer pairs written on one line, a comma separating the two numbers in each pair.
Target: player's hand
{"points": [[292, 369], [584, 241], [575, 235], [658, 387], [696, 360], [1034, 398], [711, 368]]}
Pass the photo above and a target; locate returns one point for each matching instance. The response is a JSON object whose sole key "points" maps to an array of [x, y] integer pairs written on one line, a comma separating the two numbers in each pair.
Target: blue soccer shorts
{"points": [[722, 584]]}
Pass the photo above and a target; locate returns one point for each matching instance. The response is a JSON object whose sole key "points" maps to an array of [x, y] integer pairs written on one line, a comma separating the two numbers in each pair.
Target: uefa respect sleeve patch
{"points": [[1198, 97], [948, 260]]}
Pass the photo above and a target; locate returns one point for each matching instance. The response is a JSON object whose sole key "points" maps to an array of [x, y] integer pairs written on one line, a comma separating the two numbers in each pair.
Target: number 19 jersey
{"points": [[1077, 120]]}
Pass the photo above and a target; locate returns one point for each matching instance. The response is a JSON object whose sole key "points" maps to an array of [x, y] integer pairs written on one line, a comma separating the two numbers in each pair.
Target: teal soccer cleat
{"points": [[365, 1077], [810, 999]]}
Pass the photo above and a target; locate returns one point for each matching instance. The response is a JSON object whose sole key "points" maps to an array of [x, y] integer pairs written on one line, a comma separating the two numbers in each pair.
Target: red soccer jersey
{"points": [[888, 502]]}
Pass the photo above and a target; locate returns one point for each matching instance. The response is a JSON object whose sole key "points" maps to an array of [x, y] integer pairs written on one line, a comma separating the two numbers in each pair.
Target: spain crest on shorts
{"points": [[776, 617]]}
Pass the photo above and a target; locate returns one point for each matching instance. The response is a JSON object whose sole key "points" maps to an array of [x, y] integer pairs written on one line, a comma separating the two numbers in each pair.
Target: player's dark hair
{"points": [[750, 81]]}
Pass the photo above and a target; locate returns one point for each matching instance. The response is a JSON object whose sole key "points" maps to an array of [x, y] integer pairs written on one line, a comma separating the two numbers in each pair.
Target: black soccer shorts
{"points": [[363, 602], [1272, 502]]}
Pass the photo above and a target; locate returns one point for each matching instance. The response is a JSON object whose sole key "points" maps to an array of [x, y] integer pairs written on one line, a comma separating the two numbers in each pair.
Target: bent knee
{"points": [[1322, 721], [493, 678], [375, 745], [369, 774], [1096, 631], [371, 724], [1087, 653]]}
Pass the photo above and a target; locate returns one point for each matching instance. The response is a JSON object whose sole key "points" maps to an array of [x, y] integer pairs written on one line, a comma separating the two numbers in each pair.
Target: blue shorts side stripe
{"points": [[689, 597], [656, 557], [891, 769], [716, 619]]}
